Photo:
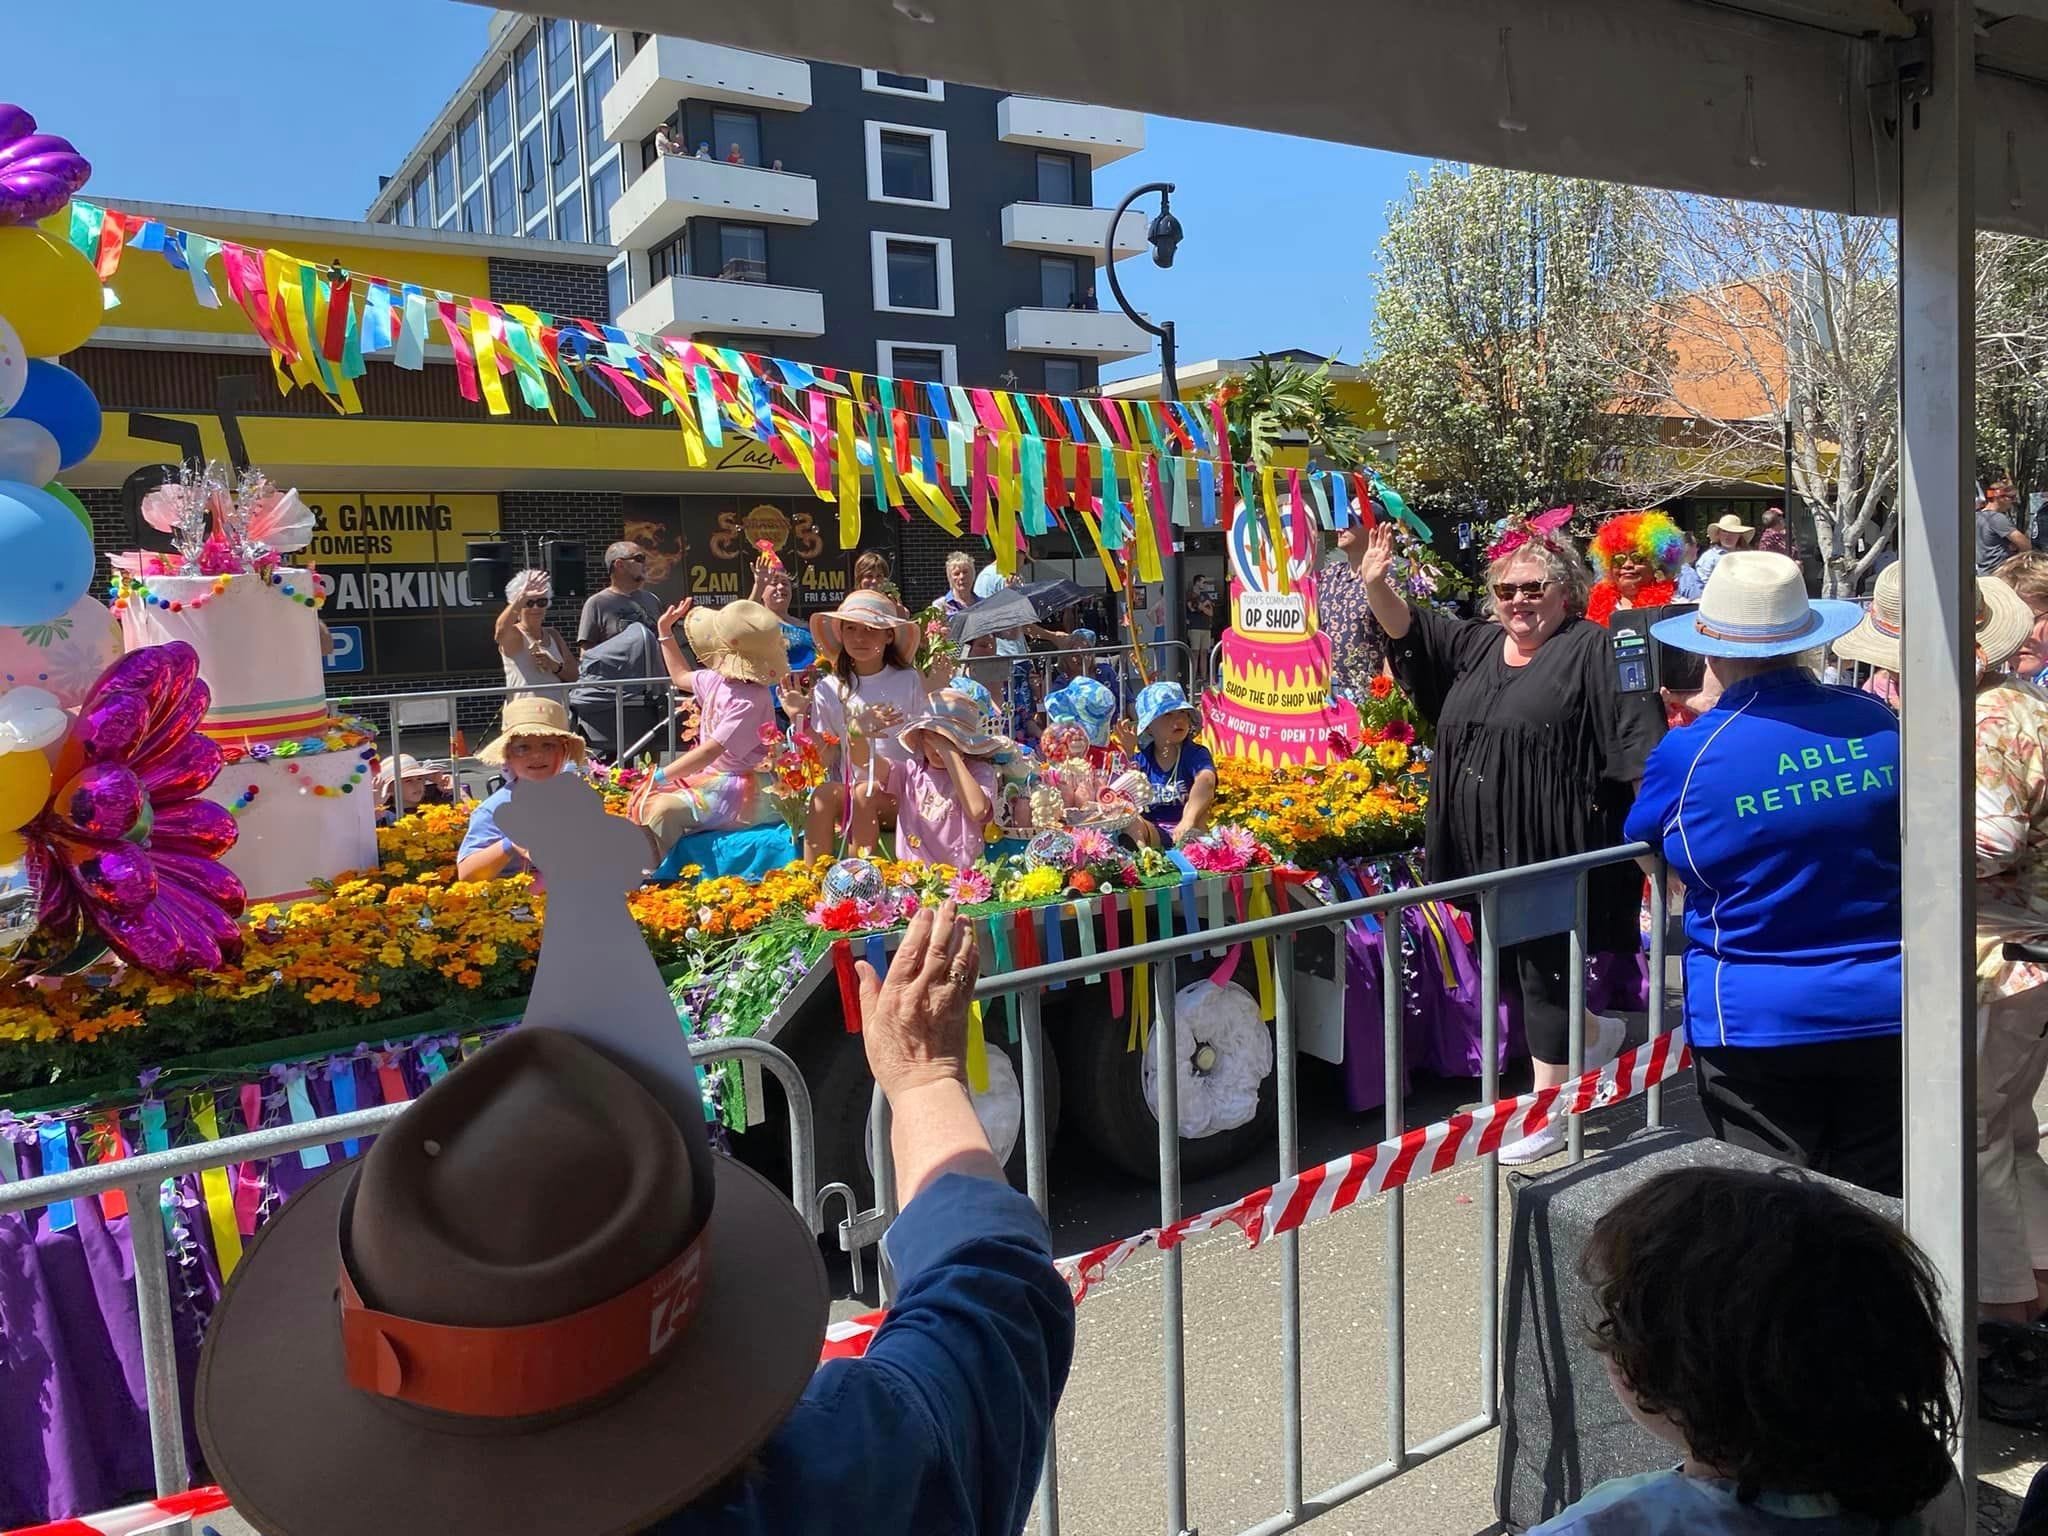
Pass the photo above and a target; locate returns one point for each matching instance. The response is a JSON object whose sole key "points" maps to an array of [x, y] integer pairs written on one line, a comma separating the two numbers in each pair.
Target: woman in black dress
{"points": [[1537, 757]]}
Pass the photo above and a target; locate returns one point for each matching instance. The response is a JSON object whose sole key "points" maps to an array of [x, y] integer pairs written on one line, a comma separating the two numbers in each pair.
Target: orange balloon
{"points": [[66, 758], [24, 788], [49, 292]]}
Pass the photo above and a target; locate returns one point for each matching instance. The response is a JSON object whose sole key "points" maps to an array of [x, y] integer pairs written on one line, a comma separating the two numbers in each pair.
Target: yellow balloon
{"points": [[49, 293], [24, 788]]}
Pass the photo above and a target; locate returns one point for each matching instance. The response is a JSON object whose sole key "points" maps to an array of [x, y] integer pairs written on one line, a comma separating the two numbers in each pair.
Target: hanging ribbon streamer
{"points": [[434, 1064], [998, 944], [1055, 949], [846, 466], [849, 985], [214, 1191], [112, 1147], [1084, 934], [977, 1050], [1262, 949], [54, 1138], [1110, 944], [391, 1080], [341, 1078], [1141, 976]]}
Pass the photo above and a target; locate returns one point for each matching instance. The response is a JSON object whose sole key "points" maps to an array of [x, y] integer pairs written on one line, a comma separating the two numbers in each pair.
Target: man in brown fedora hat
{"points": [[541, 1303]]}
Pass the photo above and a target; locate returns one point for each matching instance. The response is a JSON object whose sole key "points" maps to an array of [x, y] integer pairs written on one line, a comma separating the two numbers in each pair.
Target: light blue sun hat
{"points": [[1163, 699], [1086, 703]]}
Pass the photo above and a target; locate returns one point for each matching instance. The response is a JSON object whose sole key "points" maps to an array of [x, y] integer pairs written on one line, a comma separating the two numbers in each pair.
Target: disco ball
{"points": [[1050, 850], [855, 880], [20, 903]]}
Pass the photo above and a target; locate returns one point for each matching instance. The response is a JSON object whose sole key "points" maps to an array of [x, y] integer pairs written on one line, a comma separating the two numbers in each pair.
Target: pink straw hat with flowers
{"points": [[870, 610]]}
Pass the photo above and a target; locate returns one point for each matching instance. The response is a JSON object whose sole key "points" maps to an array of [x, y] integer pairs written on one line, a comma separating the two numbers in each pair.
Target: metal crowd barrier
{"points": [[617, 687], [141, 1179], [1514, 906]]}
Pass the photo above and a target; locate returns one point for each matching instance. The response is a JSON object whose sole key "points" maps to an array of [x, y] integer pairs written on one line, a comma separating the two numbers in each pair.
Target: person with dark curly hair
{"points": [[1788, 1341]]}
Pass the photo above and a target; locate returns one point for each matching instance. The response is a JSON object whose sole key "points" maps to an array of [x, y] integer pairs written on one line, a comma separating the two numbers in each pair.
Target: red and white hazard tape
{"points": [[134, 1519], [1323, 1191]]}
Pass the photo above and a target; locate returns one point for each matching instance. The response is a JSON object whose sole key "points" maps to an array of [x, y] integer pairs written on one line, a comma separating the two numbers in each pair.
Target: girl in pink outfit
{"points": [[945, 788], [715, 785]]}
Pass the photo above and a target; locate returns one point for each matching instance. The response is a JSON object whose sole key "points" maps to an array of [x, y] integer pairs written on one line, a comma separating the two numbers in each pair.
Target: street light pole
{"points": [[1164, 234]]}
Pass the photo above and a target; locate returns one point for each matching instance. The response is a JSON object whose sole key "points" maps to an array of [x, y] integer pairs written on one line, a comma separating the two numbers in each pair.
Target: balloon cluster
{"points": [[105, 810]]}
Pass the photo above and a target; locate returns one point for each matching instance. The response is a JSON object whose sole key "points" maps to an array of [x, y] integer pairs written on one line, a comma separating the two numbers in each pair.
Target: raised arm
{"points": [[673, 659]]}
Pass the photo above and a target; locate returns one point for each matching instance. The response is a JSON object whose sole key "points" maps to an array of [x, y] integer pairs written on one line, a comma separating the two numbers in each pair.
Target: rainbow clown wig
{"points": [[1651, 535]]}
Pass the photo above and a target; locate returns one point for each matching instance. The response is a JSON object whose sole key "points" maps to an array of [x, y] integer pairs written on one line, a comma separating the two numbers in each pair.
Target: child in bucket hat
{"points": [[1178, 767], [946, 790], [534, 743], [715, 785]]}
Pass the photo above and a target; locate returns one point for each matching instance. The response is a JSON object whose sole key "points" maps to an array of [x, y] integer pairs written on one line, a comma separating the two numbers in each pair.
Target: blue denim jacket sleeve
{"points": [[941, 1426]]}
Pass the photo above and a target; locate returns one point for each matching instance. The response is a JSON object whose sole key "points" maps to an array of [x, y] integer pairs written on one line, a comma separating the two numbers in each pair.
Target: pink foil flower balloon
{"points": [[127, 848]]}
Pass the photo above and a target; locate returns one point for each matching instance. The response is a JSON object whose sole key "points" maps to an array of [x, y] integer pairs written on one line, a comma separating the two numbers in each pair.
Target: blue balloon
{"points": [[45, 556], [57, 400]]}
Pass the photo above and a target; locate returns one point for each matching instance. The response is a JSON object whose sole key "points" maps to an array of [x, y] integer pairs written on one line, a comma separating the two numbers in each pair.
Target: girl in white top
{"points": [[873, 687], [533, 653]]}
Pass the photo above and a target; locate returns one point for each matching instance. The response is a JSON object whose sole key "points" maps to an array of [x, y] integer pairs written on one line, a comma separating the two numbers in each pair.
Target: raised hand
{"points": [[1379, 554], [914, 1024], [674, 615]]}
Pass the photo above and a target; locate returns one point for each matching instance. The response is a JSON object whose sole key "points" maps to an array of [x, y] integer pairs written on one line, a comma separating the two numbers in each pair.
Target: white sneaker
{"points": [[1607, 1041], [1533, 1149]]}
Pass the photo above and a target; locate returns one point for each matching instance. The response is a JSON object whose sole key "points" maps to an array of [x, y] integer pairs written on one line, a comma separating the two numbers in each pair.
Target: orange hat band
{"points": [[533, 1368]]}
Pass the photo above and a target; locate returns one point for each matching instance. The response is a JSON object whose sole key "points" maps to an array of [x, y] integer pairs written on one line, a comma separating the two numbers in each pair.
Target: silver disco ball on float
{"points": [[20, 901], [855, 880], [1052, 849]]}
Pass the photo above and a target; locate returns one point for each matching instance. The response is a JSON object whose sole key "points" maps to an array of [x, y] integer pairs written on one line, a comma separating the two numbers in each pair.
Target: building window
{"points": [[473, 212], [422, 202], [567, 148], [526, 71], [743, 253], [591, 37], [404, 206], [1056, 180], [561, 43], [1062, 376], [912, 273], [569, 216], [730, 128], [504, 201], [1060, 285], [444, 176], [470, 137], [907, 164], [597, 80], [902, 85], [604, 191], [533, 181], [923, 364], [498, 111], [670, 260], [615, 286]]}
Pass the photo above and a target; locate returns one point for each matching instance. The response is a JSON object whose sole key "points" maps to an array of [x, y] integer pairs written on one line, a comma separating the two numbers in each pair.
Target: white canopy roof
{"points": [[1778, 100]]}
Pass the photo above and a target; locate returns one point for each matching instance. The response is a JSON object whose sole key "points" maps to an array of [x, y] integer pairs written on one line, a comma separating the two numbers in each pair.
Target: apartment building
{"points": [[833, 215]]}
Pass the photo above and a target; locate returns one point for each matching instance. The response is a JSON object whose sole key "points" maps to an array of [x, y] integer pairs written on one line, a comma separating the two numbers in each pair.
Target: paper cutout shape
{"points": [[596, 979]]}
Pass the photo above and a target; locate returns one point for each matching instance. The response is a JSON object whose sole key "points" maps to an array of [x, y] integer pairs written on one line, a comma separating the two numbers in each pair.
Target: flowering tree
{"points": [[1502, 360], [1775, 317]]}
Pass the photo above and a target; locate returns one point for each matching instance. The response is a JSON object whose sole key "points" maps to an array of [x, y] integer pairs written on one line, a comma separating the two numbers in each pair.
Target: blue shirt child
{"points": [[1170, 787]]}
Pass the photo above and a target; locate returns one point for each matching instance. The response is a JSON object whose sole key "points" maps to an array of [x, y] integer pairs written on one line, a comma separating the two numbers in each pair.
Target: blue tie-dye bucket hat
{"points": [[1086, 703]]}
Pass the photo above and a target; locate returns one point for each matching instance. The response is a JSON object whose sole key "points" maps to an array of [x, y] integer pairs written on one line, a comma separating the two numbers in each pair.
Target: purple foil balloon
{"points": [[103, 804], [39, 172], [162, 901]]}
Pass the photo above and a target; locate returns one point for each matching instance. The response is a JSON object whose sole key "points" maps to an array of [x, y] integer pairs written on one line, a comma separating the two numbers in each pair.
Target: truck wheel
{"points": [[841, 1097], [1108, 1103]]}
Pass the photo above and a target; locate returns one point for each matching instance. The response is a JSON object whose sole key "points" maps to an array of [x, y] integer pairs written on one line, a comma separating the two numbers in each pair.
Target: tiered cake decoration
{"points": [[297, 778]]}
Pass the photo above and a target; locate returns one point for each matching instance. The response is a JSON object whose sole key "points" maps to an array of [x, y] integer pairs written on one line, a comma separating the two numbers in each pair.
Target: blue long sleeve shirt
{"points": [[941, 1426]]}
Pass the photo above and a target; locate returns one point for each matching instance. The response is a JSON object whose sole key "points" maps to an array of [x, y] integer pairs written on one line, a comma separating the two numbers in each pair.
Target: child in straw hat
{"points": [[945, 790], [534, 742], [715, 784]]}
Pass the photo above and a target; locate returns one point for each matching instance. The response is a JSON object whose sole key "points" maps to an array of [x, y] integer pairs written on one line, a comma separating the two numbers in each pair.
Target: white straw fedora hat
{"points": [[2003, 619], [1756, 605], [1730, 523]]}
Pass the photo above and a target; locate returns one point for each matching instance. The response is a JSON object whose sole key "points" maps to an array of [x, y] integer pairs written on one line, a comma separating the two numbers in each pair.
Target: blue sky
{"points": [[212, 105]]}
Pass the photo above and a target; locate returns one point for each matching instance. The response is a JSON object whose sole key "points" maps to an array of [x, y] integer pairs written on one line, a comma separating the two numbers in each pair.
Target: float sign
{"points": [[1273, 707]]}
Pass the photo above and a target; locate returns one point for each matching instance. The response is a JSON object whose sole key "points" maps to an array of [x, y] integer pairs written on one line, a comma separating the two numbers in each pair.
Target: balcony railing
{"points": [[677, 188], [673, 69], [741, 304]]}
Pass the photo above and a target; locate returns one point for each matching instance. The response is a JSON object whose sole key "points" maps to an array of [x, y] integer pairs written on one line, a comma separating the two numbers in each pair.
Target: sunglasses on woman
{"points": [[536, 602], [1508, 591]]}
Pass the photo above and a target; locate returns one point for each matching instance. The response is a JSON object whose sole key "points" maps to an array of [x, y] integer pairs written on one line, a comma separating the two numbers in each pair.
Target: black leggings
{"points": [[1542, 969]]}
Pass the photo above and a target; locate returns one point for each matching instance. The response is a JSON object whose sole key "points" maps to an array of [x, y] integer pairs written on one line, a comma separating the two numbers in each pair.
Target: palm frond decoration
{"points": [[1275, 402]]}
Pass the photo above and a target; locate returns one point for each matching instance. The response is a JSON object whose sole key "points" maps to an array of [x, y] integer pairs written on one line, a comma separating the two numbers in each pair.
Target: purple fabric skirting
{"points": [[1440, 1014], [74, 1422]]}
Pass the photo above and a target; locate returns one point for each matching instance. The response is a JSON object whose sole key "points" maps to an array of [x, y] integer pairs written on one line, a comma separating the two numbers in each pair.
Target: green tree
{"points": [[1502, 360], [2012, 359]]}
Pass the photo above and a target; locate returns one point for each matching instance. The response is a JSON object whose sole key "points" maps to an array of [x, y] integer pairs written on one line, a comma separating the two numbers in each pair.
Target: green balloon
{"points": [[77, 507]]}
